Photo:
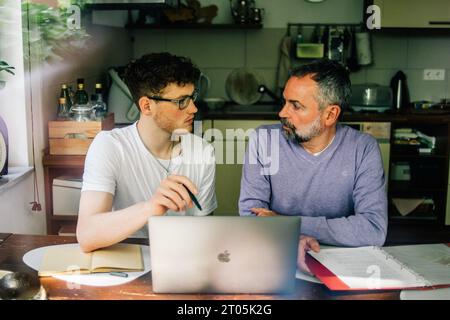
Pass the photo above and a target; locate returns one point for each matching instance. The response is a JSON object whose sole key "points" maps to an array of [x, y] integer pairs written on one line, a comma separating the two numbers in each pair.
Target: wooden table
{"points": [[4, 236], [15, 246]]}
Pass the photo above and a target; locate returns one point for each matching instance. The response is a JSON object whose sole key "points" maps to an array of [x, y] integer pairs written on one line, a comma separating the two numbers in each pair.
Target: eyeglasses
{"points": [[182, 103]]}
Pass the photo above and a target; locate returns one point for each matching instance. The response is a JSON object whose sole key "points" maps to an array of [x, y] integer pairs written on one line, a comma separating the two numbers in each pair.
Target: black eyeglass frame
{"points": [[178, 102]]}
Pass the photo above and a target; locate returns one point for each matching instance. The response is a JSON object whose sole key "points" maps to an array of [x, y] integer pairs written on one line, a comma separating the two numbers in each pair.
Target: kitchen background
{"points": [[216, 51]]}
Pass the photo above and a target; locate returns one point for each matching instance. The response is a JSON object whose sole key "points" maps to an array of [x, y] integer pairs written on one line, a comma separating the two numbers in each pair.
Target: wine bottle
{"points": [[81, 96]]}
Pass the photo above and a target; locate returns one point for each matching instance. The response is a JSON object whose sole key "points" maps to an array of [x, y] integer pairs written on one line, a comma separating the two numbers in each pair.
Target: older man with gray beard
{"points": [[329, 174]]}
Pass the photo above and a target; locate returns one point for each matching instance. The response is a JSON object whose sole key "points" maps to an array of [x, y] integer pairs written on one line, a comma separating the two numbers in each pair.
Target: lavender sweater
{"points": [[340, 194]]}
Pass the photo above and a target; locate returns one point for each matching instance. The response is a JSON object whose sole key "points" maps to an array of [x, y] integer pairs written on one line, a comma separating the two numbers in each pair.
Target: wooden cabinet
{"points": [[55, 166], [230, 141], [429, 173], [414, 13], [70, 137], [416, 180], [380, 131], [420, 180], [229, 164]]}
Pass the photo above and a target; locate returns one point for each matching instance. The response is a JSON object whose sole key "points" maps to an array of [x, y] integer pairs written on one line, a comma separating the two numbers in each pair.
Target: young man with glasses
{"points": [[149, 167]]}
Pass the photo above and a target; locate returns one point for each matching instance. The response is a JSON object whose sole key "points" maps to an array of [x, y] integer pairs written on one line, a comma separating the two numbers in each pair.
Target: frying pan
{"points": [[242, 86]]}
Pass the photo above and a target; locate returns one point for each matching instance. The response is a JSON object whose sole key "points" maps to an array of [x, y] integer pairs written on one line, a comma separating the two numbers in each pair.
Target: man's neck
{"points": [[319, 143], [156, 140]]}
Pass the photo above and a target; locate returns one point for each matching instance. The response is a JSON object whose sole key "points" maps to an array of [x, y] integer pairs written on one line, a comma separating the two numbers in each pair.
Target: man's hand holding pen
{"points": [[176, 193]]}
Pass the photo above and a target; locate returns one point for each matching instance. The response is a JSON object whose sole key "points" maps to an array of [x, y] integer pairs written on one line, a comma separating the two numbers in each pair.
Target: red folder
{"points": [[333, 282]]}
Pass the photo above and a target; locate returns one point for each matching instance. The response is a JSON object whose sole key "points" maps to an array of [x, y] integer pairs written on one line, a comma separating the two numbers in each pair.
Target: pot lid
{"points": [[242, 86]]}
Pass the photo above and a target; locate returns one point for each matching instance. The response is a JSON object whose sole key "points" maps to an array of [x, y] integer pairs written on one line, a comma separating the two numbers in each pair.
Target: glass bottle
{"points": [[81, 109], [65, 93], [99, 106], [81, 96], [63, 109]]}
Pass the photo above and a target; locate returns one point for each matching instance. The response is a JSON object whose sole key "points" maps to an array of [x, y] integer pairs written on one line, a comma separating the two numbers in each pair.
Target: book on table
{"points": [[72, 260], [387, 268]]}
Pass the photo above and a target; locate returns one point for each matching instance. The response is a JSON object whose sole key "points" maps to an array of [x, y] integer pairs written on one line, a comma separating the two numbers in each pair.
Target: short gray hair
{"points": [[333, 81]]}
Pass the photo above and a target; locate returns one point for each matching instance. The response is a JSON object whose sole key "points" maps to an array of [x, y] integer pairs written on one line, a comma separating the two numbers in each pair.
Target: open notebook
{"points": [[374, 268], [70, 260]]}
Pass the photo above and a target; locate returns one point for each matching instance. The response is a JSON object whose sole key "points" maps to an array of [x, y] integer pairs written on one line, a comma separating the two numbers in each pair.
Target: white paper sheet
{"points": [[307, 277], [34, 257], [366, 268], [431, 261], [434, 294], [304, 276]]}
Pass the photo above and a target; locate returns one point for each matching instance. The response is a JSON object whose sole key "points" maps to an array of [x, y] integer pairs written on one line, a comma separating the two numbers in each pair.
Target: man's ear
{"points": [[145, 106], [332, 113]]}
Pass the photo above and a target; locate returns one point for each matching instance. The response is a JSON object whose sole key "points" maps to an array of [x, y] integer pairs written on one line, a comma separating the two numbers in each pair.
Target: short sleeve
{"points": [[102, 164], [207, 194]]}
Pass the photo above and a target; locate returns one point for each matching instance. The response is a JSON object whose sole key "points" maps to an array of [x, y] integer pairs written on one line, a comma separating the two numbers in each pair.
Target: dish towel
{"points": [[284, 63]]}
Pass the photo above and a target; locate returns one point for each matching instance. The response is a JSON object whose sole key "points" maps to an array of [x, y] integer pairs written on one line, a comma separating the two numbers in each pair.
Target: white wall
{"points": [[15, 211], [12, 97]]}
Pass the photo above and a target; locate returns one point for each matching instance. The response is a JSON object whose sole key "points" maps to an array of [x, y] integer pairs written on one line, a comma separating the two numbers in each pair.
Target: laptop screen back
{"points": [[223, 254]]}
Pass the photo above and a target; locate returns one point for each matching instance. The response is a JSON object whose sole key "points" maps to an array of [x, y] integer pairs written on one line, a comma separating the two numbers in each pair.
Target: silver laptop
{"points": [[223, 254]]}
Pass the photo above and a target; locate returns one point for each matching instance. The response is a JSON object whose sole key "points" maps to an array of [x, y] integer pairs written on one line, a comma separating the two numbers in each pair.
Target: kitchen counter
{"points": [[269, 111], [235, 112]]}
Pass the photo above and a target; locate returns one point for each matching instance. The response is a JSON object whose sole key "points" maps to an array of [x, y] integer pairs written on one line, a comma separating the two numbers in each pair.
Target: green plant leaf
{"points": [[48, 27]]}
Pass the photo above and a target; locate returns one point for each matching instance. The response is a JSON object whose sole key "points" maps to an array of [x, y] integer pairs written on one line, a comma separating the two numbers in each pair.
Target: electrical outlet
{"points": [[434, 74]]}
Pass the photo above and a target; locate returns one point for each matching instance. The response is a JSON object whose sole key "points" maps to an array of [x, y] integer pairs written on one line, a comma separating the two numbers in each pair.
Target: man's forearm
{"points": [[353, 231], [105, 229]]}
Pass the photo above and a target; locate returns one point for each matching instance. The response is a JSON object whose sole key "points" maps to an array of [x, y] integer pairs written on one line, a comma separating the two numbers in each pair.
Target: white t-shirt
{"points": [[119, 163]]}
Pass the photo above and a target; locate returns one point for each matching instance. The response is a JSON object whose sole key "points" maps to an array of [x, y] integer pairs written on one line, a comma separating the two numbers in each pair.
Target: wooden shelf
{"points": [[64, 218], [407, 188], [54, 166], [195, 26], [417, 156], [129, 6], [431, 220], [63, 161], [431, 217]]}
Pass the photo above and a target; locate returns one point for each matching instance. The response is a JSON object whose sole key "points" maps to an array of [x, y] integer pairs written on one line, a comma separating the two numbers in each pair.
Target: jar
{"points": [[81, 112]]}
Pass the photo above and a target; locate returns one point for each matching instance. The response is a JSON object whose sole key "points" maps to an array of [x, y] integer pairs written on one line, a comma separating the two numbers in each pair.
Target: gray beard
{"points": [[313, 130]]}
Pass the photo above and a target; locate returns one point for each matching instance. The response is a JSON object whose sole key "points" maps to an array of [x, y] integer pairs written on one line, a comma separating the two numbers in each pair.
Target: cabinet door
{"points": [[447, 211], [414, 13], [230, 148], [380, 131]]}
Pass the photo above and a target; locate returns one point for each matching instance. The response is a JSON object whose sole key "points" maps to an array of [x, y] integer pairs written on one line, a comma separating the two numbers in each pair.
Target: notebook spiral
{"points": [[418, 276]]}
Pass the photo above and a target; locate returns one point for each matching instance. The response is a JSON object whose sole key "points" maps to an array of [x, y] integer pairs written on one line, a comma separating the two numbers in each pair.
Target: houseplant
{"points": [[5, 67], [47, 34]]}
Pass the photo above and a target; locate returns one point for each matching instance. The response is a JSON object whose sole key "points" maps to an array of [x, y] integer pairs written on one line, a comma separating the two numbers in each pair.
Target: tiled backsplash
{"points": [[218, 52]]}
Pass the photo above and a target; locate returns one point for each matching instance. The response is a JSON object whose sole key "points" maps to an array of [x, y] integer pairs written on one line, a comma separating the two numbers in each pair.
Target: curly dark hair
{"points": [[151, 73]]}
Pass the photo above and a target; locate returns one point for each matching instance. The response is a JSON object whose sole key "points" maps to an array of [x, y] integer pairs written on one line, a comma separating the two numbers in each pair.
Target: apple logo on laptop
{"points": [[224, 256]]}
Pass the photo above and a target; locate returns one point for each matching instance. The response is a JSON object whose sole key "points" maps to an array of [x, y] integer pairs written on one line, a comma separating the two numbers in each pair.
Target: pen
{"points": [[193, 198], [119, 274]]}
